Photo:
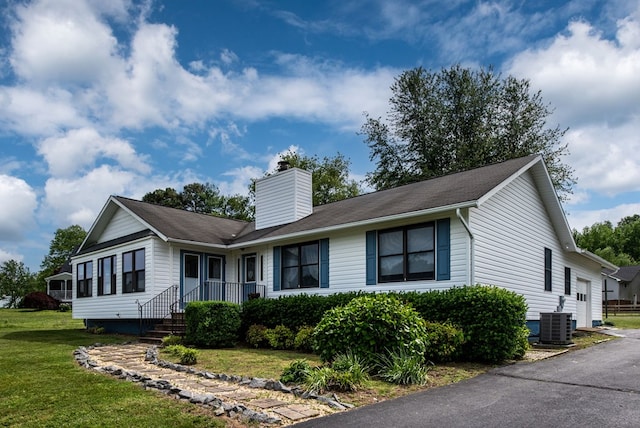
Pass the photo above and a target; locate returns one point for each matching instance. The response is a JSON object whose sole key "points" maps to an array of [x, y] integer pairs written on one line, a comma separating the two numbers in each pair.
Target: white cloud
{"points": [[18, 202], [6, 255], [78, 200], [61, 41], [579, 219], [78, 149], [593, 84], [240, 180]]}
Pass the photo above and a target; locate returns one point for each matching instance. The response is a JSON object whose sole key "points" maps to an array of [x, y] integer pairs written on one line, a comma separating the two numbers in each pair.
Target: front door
{"points": [[191, 277], [215, 286], [249, 276], [583, 304]]}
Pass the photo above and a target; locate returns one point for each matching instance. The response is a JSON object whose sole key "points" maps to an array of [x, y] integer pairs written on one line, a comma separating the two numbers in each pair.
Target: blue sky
{"points": [[123, 97]]}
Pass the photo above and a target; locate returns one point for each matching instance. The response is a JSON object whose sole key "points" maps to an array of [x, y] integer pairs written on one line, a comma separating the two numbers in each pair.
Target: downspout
{"points": [[471, 246]]}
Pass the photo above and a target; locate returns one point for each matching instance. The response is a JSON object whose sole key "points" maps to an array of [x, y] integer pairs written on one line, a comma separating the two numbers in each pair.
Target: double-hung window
{"points": [[84, 279], [406, 253], [301, 266], [133, 271], [107, 275]]}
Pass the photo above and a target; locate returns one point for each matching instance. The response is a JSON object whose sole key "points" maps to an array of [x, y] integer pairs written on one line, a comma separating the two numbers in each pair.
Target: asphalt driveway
{"points": [[594, 387]]}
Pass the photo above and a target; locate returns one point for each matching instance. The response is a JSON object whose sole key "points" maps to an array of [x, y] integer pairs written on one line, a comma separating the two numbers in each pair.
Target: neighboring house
{"points": [[500, 224], [621, 286], [59, 285]]}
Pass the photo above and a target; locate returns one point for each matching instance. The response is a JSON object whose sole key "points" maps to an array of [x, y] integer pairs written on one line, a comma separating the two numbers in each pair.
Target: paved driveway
{"points": [[594, 387]]}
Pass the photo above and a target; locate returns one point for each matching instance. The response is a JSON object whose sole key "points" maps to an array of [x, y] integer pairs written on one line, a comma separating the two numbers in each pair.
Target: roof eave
{"points": [[596, 258], [368, 222]]}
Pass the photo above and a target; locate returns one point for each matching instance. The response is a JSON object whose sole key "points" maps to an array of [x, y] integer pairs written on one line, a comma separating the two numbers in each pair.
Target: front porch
{"points": [[173, 300]]}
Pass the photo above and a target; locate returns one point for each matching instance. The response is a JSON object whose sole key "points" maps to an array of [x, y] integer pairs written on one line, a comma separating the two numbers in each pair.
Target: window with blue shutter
{"points": [[304, 265]]}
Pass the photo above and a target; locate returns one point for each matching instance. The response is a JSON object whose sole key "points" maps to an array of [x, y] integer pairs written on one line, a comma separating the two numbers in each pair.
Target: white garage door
{"points": [[583, 300]]}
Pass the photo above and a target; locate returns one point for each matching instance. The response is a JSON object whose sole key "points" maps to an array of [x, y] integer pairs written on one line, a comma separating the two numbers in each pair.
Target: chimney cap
{"points": [[283, 165]]}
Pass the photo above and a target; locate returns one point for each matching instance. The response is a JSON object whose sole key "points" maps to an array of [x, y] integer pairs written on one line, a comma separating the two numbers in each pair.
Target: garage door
{"points": [[583, 316]]}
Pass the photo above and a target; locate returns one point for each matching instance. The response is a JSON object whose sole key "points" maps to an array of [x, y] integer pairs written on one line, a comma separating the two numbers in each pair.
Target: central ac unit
{"points": [[555, 328]]}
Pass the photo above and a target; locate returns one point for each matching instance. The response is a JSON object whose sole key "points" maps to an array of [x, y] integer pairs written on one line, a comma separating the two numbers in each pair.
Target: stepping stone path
{"points": [[260, 401]]}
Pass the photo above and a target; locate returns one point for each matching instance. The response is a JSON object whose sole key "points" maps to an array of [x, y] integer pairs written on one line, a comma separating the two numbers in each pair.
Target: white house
{"points": [[500, 224], [621, 286]]}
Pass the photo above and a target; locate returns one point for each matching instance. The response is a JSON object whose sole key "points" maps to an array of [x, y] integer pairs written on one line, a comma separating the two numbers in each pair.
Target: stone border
{"points": [[219, 407]]}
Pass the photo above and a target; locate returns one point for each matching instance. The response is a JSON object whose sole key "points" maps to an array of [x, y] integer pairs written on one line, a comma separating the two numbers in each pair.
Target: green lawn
{"points": [[42, 385], [623, 321]]}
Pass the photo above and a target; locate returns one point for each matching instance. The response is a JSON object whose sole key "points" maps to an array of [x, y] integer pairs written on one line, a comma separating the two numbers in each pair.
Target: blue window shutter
{"points": [[443, 255], [276, 268], [371, 257], [324, 263]]}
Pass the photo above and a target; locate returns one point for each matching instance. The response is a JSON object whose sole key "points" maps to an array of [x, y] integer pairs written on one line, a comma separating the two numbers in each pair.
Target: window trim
{"points": [[422, 276], [135, 287], [299, 265], [114, 275], [86, 283], [548, 269]]}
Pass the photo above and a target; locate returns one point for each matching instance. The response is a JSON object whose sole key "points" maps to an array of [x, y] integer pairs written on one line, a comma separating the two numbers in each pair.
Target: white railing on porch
{"points": [[233, 292], [61, 295]]}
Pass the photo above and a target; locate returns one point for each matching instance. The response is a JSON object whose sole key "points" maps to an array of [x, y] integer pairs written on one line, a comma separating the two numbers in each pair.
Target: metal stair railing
{"points": [[234, 292], [158, 308]]}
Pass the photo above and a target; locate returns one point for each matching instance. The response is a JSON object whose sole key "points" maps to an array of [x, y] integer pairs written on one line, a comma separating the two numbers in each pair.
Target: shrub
{"points": [[492, 319], [291, 311], [186, 356], [296, 372], [40, 300], [444, 341], [212, 324], [280, 337], [320, 379], [257, 336], [172, 339], [64, 307], [368, 325], [401, 368], [347, 373], [304, 339]]}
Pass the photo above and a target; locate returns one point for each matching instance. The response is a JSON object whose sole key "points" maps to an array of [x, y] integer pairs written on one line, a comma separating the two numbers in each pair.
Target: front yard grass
{"points": [[42, 385], [624, 321]]}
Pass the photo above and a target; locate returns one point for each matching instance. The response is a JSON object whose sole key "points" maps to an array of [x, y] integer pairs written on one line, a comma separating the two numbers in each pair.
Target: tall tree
{"points": [[203, 198], [457, 119], [64, 242], [15, 281], [620, 244], [330, 176], [168, 197]]}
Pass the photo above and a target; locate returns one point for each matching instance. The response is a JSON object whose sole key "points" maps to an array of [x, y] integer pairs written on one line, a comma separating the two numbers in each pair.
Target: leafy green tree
{"points": [[628, 233], [619, 245], [15, 282], [64, 242], [168, 197], [330, 176], [203, 198], [457, 119]]}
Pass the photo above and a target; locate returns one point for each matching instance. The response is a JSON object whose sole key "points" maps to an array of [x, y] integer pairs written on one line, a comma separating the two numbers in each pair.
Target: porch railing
{"points": [[158, 308], [233, 292], [62, 295]]}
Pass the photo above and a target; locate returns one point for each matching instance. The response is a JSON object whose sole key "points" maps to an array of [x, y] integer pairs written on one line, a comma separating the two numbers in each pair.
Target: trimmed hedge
{"points": [[212, 324], [291, 311], [492, 319]]}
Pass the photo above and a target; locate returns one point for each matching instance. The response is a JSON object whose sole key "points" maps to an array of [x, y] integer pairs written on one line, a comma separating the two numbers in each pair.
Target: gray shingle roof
{"points": [[454, 189], [185, 225], [626, 273]]}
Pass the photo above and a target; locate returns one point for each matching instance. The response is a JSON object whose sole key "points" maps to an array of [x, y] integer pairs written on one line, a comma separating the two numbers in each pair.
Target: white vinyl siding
{"points": [[511, 231], [283, 198], [121, 224], [347, 262], [120, 305]]}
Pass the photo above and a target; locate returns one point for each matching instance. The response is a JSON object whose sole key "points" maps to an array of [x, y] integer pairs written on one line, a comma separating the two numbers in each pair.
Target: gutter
{"points": [[471, 244]]}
